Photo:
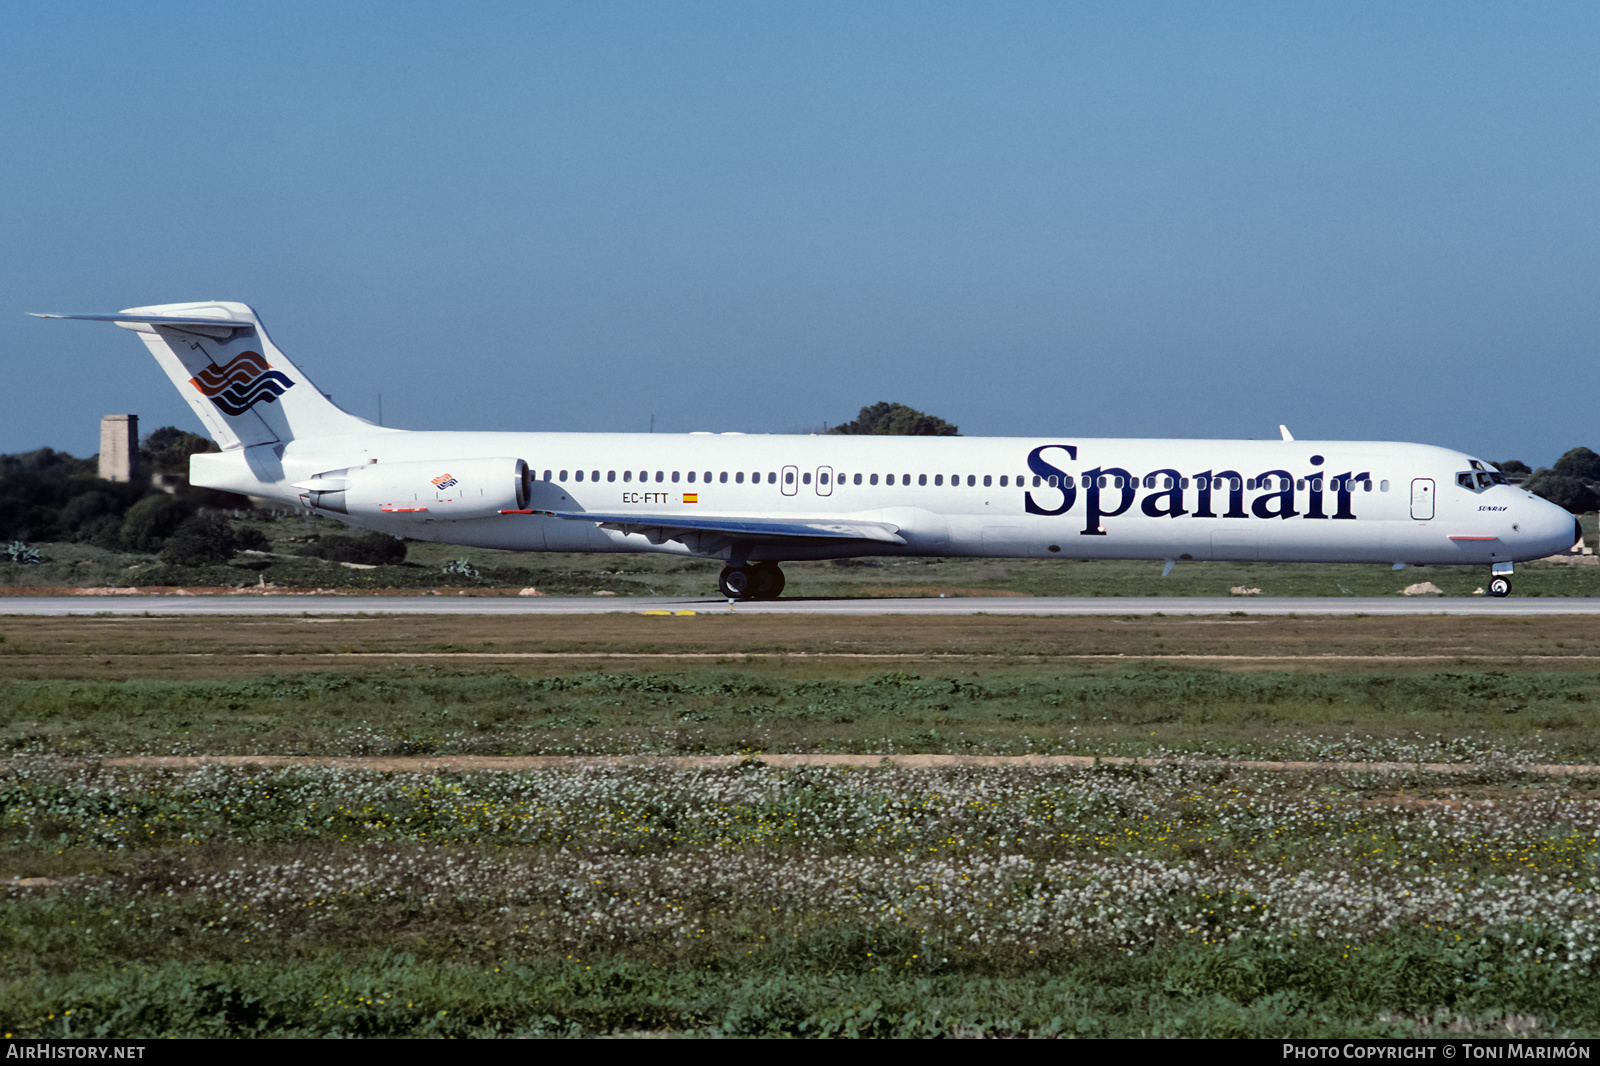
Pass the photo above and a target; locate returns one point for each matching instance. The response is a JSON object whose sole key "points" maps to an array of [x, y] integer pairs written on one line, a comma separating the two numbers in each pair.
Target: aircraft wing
{"points": [[664, 527]]}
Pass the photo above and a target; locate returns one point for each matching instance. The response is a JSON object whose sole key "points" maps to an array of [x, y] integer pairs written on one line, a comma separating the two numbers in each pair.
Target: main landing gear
{"points": [[758, 581]]}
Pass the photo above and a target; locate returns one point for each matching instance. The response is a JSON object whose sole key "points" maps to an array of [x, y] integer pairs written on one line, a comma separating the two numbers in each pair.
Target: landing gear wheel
{"points": [[1499, 586], [734, 582], [767, 581]]}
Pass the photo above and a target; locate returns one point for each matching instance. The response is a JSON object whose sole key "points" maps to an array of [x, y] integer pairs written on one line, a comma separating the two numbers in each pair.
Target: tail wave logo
{"points": [[443, 481], [245, 381]]}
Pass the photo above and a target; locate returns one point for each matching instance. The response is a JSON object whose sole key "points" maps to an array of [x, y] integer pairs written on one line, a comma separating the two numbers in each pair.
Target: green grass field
{"points": [[1169, 899]]}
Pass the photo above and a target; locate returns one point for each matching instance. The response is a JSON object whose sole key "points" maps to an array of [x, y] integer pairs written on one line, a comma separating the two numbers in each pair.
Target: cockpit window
{"points": [[1481, 478]]}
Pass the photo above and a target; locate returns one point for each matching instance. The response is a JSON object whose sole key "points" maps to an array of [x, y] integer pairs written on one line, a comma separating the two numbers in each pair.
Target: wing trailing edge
{"points": [[766, 530]]}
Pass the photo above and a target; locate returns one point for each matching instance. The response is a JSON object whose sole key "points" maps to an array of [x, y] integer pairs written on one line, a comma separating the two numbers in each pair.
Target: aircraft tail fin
{"points": [[244, 390]]}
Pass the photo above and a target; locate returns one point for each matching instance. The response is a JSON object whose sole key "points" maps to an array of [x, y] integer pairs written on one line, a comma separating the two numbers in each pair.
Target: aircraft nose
{"points": [[1552, 528]]}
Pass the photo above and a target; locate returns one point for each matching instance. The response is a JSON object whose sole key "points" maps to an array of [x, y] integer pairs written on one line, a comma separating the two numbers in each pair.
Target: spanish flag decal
{"points": [[691, 497]]}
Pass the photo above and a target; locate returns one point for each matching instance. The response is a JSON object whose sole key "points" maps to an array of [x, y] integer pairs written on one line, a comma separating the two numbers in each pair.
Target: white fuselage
{"points": [[1044, 497]]}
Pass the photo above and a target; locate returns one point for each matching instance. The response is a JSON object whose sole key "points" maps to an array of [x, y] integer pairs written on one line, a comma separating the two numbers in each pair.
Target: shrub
{"points": [[151, 521], [1579, 463], [1562, 490], [19, 552], [200, 541], [370, 549]]}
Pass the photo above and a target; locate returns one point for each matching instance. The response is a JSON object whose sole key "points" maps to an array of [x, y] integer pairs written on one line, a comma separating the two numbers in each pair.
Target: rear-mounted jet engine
{"points": [[448, 490]]}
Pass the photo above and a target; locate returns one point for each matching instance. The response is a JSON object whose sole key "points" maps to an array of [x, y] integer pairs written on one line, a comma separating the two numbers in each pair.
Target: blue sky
{"points": [[1368, 221]]}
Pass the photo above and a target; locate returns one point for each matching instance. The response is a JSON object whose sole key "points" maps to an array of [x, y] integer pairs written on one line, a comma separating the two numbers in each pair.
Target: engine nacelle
{"points": [[444, 490]]}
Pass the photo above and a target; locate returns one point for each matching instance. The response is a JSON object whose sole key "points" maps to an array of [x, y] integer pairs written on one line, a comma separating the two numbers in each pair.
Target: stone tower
{"points": [[119, 447]]}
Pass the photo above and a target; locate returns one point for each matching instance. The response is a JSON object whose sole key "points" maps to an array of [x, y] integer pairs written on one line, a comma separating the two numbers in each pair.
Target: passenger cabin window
{"points": [[577, 475], [873, 480], [563, 475], [674, 477], [611, 475], [972, 479], [738, 478], [722, 478], [938, 479], [922, 479], [691, 477]]}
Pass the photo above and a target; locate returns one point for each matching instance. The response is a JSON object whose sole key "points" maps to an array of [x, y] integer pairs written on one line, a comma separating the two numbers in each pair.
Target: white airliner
{"points": [[755, 501]]}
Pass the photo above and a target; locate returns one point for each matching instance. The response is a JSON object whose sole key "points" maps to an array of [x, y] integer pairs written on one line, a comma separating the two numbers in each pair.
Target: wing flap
{"points": [[762, 529]]}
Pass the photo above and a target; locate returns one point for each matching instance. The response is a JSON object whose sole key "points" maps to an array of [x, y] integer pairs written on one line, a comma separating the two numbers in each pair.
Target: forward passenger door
{"points": [[1422, 498]]}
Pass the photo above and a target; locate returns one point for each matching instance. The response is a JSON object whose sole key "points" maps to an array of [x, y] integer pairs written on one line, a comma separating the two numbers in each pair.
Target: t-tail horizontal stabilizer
{"points": [[245, 391]]}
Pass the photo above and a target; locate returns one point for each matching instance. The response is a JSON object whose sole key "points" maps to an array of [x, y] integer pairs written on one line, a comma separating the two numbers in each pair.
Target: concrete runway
{"points": [[1007, 605]]}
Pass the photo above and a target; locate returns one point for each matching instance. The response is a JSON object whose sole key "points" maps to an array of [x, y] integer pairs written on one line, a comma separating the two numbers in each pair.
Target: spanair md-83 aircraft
{"points": [[755, 501]]}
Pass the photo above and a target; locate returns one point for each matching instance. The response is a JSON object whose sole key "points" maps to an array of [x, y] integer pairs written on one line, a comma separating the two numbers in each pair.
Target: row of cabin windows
{"points": [[673, 476], [1113, 481]]}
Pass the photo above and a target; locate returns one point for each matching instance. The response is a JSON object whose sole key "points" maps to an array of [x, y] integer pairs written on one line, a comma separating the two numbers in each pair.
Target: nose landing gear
{"points": [[760, 581], [1500, 579]]}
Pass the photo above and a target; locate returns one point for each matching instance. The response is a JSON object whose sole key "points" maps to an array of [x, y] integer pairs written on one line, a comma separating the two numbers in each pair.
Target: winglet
{"points": [[1285, 431]]}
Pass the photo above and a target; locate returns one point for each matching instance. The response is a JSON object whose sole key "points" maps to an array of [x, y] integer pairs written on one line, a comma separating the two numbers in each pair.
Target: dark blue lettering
{"points": [[1091, 498], [1344, 486], [1314, 494], [1173, 496], [1038, 464], [1284, 496], [1235, 484]]}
